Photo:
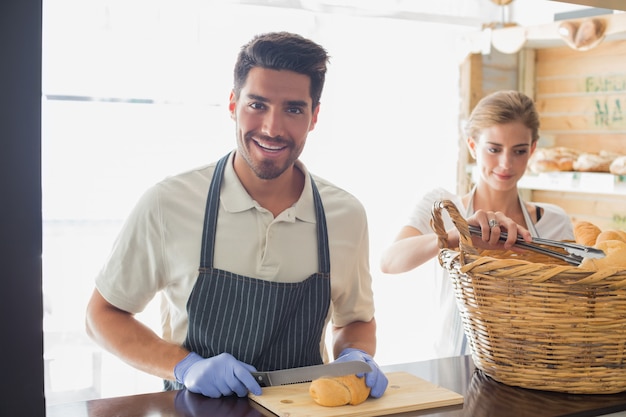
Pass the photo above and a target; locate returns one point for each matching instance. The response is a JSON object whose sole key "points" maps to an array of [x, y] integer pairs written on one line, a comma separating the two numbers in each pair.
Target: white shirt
{"points": [[158, 249], [554, 224]]}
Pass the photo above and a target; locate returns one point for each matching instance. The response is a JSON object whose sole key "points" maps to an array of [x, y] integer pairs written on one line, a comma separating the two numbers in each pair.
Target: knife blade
{"points": [[309, 373]]}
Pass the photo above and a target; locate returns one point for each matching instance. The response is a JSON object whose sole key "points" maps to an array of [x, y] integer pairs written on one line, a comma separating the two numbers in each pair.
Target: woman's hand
{"points": [[492, 224]]}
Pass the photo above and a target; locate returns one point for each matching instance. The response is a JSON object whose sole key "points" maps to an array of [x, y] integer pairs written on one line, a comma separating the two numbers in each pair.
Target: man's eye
{"points": [[257, 106], [294, 110]]}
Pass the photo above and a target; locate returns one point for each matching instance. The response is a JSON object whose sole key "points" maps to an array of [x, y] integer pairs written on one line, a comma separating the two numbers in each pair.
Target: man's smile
{"points": [[268, 145]]}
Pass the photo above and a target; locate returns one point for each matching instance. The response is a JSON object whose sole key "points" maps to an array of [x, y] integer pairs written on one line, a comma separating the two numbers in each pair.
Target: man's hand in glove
{"points": [[217, 376], [375, 379]]}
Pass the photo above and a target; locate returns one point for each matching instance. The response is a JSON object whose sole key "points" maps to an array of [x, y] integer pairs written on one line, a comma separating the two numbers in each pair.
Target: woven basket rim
{"points": [[470, 257]]}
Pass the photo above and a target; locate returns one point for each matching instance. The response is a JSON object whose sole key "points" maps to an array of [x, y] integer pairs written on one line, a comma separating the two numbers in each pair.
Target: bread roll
{"points": [[561, 152], [611, 235], [341, 390], [589, 162], [618, 166], [586, 233], [543, 165], [553, 159], [615, 251], [551, 165], [565, 164]]}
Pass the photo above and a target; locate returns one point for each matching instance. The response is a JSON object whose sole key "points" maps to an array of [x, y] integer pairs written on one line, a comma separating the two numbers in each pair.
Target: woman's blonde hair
{"points": [[503, 107]]}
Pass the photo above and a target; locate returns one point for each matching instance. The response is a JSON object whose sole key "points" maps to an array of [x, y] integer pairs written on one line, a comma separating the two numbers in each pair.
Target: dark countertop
{"points": [[484, 397]]}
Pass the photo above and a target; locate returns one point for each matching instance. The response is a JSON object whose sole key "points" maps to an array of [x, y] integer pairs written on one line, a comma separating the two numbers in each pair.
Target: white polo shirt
{"points": [[158, 249]]}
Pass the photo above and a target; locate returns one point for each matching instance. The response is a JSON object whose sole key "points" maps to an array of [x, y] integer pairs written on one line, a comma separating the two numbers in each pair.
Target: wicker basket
{"points": [[534, 321]]}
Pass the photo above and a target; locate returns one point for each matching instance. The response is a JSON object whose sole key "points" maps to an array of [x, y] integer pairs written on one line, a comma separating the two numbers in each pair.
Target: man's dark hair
{"points": [[283, 51]]}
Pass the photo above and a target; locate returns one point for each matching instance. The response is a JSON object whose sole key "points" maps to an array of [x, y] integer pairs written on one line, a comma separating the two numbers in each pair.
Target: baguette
{"points": [[341, 390]]}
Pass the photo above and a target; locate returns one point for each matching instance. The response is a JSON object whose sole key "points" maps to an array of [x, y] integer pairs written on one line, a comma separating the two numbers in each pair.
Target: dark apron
{"points": [[270, 325]]}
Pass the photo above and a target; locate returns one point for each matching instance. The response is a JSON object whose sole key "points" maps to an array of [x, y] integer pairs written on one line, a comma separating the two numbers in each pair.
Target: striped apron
{"points": [[270, 325]]}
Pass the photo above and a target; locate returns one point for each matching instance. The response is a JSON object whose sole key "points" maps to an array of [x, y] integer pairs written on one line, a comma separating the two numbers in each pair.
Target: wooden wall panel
{"points": [[607, 211], [595, 143], [582, 66], [581, 97], [471, 91]]}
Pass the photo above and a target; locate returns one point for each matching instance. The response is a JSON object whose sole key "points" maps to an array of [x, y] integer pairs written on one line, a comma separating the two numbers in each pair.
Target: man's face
{"points": [[273, 117]]}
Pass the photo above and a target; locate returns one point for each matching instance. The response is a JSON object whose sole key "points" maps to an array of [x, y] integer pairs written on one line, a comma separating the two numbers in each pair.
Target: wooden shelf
{"points": [[578, 182], [571, 181]]}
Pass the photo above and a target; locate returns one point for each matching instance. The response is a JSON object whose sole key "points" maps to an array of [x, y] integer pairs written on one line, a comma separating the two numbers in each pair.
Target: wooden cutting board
{"points": [[405, 392]]}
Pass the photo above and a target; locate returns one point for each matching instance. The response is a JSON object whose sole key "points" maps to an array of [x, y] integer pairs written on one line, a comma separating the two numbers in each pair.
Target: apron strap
{"points": [[323, 252], [210, 215]]}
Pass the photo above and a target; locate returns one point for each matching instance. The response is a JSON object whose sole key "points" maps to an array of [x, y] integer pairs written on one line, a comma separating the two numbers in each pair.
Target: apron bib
{"points": [[270, 325]]}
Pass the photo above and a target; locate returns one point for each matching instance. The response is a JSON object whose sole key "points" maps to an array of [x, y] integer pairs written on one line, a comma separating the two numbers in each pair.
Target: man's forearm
{"points": [[358, 335], [120, 333]]}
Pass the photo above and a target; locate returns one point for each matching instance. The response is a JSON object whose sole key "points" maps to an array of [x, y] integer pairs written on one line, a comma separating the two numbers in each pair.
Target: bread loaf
{"points": [[586, 233], [341, 390]]}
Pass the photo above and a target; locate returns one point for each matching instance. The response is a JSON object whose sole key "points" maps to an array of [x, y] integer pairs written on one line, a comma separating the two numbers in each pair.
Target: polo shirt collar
{"points": [[235, 198]]}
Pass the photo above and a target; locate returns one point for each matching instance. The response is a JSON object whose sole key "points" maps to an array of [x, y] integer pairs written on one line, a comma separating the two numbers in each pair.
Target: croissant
{"points": [[615, 251], [611, 235], [341, 390], [586, 233]]}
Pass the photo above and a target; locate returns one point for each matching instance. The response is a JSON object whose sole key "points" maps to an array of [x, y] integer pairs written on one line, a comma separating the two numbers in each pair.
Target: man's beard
{"points": [[267, 170]]}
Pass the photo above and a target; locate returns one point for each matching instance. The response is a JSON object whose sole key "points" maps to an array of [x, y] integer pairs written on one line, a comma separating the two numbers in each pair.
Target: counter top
{"points": [[483, 397]]}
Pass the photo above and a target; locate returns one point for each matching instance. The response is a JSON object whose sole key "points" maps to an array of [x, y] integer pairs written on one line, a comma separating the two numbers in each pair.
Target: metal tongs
{"points": [[576, 252]]}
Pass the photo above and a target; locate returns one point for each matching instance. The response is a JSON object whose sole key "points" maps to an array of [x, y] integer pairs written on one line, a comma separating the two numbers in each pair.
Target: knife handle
{"points": [[261, 378]]}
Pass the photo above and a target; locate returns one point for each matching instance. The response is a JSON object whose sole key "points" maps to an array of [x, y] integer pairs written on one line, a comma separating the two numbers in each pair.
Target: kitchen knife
{"points": [[309, 373]]}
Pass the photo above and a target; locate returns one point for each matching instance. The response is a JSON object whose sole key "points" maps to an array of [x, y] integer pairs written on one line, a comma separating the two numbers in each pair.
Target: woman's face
{"points": [[502, 153]]}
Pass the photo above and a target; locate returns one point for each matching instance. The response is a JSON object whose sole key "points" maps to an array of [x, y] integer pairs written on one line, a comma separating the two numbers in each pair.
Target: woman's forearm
{"points": [[408, 253]]}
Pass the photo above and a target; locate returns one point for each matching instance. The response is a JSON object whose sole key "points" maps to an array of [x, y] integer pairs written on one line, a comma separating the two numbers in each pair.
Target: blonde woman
{"points": [[502, 134]]}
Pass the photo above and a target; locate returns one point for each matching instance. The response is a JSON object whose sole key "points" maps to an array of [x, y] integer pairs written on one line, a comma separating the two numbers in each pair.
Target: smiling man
{"points": [[253, 255]]}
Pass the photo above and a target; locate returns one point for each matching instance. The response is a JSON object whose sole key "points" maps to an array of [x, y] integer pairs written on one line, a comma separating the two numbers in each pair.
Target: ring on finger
{"points": [[493, 223]]}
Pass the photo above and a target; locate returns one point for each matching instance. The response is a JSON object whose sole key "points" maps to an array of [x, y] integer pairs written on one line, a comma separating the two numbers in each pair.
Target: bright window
{"points": [[136, 91]]}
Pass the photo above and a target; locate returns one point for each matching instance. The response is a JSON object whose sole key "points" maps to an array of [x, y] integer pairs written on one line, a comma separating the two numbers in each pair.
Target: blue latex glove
{"points": [[376, 379], [217, 376]]}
